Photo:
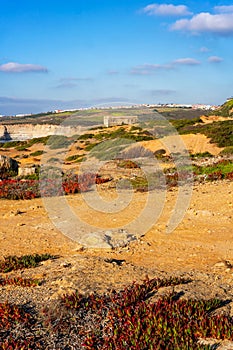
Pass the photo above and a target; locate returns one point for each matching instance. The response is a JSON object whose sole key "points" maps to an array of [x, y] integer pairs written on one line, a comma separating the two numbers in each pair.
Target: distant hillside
{"points": [[226, 110]]}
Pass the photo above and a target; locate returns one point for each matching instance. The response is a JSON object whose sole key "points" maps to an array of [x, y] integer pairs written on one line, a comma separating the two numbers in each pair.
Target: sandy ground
{"points": [[203, 238], [194, 143], [201, 244]]}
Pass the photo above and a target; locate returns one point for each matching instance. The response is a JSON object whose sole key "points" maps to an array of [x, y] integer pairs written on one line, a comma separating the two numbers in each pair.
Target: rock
{"points": [[119, 238], [65, 264], [95, 240], [107, 239], [220, 264], [8, 164], [217, 344], [25, 171]]}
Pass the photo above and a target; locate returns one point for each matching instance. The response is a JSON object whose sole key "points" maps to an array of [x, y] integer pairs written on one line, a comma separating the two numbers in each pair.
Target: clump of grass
{"points": [[13, 262], [10, 144], [74, 157], [222, 166], [36, 153], [202, 155], [220, 133], [86, 136], [227, 151], [127, 164], [58, 141]]}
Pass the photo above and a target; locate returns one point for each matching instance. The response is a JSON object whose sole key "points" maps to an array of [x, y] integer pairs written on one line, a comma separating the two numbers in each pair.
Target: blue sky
{"points": [[74, 53]]}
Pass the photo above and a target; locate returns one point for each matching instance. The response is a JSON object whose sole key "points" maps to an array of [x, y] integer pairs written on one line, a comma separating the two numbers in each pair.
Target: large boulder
{"points": [[7, 165]]}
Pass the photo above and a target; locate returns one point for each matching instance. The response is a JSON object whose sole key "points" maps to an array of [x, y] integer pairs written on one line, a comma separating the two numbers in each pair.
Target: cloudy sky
{"points": [[68, 54]]}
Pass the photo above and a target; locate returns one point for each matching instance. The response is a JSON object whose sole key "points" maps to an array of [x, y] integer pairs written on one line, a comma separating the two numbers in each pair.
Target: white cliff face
{"points": [[23, 132]]}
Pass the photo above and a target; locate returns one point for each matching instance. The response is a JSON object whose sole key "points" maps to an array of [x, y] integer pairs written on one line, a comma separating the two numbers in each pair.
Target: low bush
{"points": [[36, 153], [127, 164], [10, 144], [202, 155], [13, 262], [86, 136], [74, 157], [227, 151], [19, 281], [134, 318], [58, 141]]}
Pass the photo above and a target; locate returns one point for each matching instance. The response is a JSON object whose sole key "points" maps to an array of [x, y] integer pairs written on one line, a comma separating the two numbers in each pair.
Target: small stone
{"points": [[220, 264], [65, 264]]}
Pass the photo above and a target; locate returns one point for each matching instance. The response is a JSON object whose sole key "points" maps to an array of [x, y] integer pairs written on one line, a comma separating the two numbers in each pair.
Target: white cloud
{"points": [[71, 82], [187, 61], [68, 85], [74, 79], [215, 59], [204, 49], [162, 92], [149, 69], [224, 9], [221, 24], [113, 72], [14, 67], [166, 10]]}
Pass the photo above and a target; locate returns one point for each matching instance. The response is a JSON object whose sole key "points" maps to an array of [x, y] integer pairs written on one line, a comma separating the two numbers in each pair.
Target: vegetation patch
{"points": [[13, 262], [127, 164], [220, 133], [19, 281], [58, 141], [74, 157], [36, 153], [50, 184], [227, 151], [181, 124], [202, 155], [226, 110], [134, 318]]}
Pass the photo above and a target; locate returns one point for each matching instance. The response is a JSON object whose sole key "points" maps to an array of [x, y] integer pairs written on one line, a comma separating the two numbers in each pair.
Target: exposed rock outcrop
{"points": [[28, 131], [8, 164], [6, 136]]}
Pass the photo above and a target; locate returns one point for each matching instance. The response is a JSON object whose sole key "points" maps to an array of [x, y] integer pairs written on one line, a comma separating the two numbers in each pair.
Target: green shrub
{"points": [[58, 141], [127, 164], [74, 157], [227, 151], [220, 133], [226, 110], [90, 146], [36, 153], [26, 261], [11, 144], [42, 140], [180, 124], [22, 148], [224, 167], [202, 155], [86, 136]]}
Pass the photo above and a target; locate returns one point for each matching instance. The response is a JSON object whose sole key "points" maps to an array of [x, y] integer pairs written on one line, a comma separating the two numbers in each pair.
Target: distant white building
{"points": [[119, 120]]}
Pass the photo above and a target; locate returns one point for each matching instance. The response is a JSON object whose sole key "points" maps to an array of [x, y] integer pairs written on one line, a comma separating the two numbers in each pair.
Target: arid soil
{"points": [[202, 244], [200, 248]]}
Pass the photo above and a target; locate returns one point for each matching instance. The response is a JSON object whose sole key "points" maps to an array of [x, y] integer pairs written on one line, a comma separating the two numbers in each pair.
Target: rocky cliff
{"points": [[29, 131]]}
